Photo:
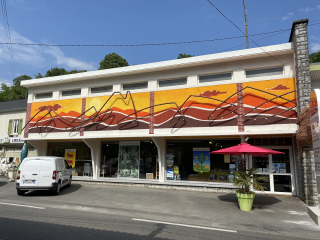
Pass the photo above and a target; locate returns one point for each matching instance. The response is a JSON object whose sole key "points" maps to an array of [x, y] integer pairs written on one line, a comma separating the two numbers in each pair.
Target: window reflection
{"points": [[282, 183]]}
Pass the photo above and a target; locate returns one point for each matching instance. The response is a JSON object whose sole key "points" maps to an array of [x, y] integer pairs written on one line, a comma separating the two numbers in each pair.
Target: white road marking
{"points": [[18, 205], [184, 225]]}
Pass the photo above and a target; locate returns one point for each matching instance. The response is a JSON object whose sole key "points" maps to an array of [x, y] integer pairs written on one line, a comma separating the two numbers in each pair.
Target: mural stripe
{"points": [[240, 107], [151, 125], [83, 117], [28, 115]]}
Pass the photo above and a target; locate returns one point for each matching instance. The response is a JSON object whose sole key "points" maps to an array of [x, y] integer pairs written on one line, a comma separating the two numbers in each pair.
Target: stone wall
{"points": [[305, 168]]}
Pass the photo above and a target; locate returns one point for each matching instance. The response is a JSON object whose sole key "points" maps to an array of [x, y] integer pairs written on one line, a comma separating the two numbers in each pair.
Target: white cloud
{"points": [[23, 5], [38, 56], [315, 47], [5, 81], [306, 9], [287, 16]]}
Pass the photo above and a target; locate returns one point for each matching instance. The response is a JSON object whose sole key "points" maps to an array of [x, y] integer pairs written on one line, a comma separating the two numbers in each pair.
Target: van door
{"points": [[46, 172], [61, 170], [30, 173]]}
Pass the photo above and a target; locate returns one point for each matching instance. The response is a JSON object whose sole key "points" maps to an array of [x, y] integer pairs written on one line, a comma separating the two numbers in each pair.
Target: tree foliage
{"points": [[14, 92], [314, 57], [113, 60], [184, 55]]}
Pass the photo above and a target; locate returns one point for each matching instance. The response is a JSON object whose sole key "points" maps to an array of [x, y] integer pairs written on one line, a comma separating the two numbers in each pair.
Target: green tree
{"points": [[314, 57], [56, 72], [14, 92], [76, 71], [39, 75], [183, 55], [201, 159], [113, 60]]}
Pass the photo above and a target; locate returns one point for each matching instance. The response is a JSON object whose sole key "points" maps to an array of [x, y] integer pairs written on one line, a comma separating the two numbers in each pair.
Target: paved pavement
{"points": [[86, 211]]}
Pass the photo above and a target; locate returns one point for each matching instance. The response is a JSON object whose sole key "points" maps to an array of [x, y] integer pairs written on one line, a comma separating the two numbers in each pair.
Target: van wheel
{"points": [[57, 190], [20, 193], [69, 183]]}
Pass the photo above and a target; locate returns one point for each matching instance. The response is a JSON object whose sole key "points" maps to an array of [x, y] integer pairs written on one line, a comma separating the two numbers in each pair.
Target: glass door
{"points": [[278, 168]]}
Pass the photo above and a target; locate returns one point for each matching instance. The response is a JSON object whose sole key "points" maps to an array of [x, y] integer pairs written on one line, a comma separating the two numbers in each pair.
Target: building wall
{"points": [[197, 102], [4, 121]]}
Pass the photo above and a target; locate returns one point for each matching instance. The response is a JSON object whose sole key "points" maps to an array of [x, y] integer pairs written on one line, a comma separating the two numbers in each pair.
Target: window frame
{"points": [[35, 95], [15, 126], [264, 68], [71, 89], [135, 83], [213, 81], [101, 86], [172, 79]]}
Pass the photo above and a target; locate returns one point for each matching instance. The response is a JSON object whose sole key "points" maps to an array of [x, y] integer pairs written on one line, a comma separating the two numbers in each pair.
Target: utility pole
{"points": [[245, 17]]}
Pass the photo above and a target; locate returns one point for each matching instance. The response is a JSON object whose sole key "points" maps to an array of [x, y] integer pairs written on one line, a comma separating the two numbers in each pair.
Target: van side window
{"points": [[60, 164]]}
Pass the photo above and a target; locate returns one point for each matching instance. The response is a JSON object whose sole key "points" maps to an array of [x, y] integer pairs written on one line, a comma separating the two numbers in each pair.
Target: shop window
{"points": [[73, 92], [288, 141], [265, 141], [282, 183], [43, 95], [103, 89], [281, 162], [135, 86], [264, 72], [183, 160], [115, 165], [261, 163], [215, 77], [80, 158], [172, 82], [280, 141], [257, 141], [273, 142]]}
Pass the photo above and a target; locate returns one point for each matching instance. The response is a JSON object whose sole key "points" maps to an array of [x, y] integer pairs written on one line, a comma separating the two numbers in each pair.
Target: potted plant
{"points": [[247, 180]]}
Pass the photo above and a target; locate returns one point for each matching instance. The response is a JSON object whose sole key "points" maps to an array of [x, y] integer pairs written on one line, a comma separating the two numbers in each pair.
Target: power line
{"points": [[242, 31], [136, 45], [8, 37]]}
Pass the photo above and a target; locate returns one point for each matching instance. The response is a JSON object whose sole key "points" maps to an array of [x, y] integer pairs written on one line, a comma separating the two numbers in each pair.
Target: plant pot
{"points": [[245, 201]]}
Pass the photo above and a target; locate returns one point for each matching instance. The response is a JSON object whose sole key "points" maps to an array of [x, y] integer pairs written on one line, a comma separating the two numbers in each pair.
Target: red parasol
{"points": [[247, 149]]}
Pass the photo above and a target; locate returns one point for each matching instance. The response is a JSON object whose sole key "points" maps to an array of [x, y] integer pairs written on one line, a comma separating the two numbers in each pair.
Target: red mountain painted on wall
{"points": [[211, 93], [195, 114]]}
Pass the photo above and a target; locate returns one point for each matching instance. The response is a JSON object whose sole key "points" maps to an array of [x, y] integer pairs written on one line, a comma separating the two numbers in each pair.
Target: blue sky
{"points": [[140, 21]]}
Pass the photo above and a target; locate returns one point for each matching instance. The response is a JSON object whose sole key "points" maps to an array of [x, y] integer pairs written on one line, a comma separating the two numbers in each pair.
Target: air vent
{"points": [[172, 82], [71, 92], [215, 77], [264, 72], [135, 86]]}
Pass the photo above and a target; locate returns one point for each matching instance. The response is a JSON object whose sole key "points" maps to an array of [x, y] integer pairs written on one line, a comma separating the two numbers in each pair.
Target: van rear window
{"points": [[31, 165], [46, 165]]}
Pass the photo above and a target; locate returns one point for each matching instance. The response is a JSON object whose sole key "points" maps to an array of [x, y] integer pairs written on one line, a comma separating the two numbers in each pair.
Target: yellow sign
{"points": [[176, 170], [70, 156]]}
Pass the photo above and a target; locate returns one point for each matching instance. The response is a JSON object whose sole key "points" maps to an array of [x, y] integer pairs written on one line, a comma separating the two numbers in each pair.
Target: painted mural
{"points": [[258, 103]]}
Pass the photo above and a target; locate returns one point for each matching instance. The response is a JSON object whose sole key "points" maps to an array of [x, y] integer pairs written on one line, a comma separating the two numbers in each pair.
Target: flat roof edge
{"points": [[157, 66]]}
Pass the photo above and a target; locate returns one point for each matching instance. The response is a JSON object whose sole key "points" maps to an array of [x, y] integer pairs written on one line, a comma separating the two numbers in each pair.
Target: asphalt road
{"points": [[105, 212]]}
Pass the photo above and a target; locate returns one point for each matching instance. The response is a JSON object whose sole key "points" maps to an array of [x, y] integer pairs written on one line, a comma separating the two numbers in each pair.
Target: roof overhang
{"points": [[165, 65]]}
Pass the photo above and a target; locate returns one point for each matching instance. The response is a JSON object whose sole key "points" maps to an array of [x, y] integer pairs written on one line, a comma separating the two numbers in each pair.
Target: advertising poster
{"points": [[170, 166], [201, 159], [70, 156], [129, 155]]}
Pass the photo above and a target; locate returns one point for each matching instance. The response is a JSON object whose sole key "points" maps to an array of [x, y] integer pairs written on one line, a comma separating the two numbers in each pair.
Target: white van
{"points": [[43, 173]]}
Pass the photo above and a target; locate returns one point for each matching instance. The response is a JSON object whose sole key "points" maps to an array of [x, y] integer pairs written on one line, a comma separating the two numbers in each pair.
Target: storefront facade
{"points": [[160, 121]]}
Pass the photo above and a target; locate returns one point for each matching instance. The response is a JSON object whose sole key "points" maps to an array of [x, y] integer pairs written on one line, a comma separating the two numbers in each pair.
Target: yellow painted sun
{"points": [[94, 103]]}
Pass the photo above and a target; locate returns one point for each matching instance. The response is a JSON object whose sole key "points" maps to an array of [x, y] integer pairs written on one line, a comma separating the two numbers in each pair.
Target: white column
{"points": [[40, 145], [95, 146], [161, 146]]}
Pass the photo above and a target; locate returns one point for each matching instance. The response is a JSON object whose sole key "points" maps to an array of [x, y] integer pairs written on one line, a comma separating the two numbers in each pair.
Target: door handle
{"points": [[34, 174]]}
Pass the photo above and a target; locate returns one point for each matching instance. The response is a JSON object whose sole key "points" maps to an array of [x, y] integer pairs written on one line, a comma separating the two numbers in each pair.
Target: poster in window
{"points": [[170, 166], [201, 159], [70, 156], [129, 155]]}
